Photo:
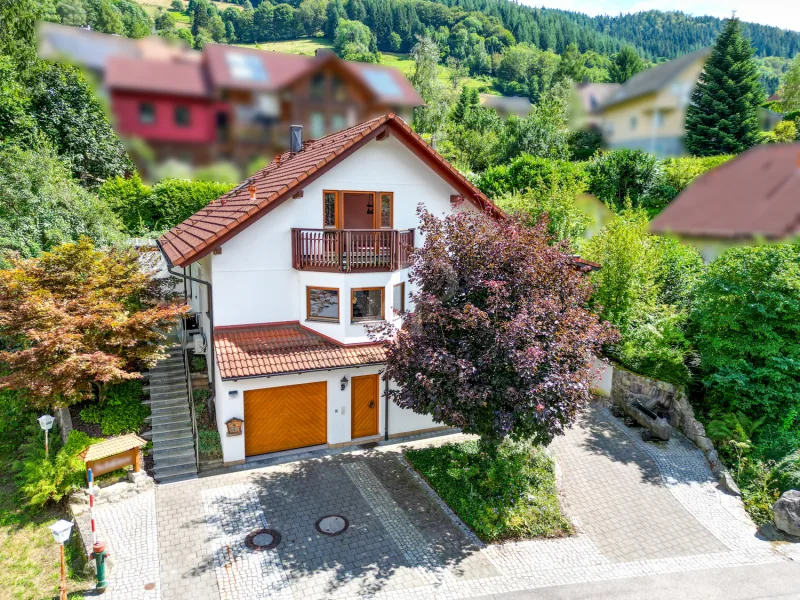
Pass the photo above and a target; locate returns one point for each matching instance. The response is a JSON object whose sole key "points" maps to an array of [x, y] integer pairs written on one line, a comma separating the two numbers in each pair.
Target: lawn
{"points": [[304, 46], [510, 496]]}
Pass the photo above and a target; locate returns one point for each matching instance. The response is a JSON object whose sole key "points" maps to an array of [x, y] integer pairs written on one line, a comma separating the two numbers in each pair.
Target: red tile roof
{"points": [[277, 348], [181, 78], [210, 227], [756, 194]]}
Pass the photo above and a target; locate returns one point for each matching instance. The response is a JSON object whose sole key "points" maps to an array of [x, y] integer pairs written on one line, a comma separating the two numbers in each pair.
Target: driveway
{"points": [[640, 510]]}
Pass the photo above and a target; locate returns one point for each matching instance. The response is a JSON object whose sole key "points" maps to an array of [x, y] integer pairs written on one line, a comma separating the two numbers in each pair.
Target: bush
{"points": [[92, 414], [678, 271], [44, 479], [506, 496], [787, 473], [198, 364], [123, 411], [674, 175], [619, 176], [15, 416], [528, 173], [566, 220], [583, 144], [208, 443], [130, 200], [746, 323]]}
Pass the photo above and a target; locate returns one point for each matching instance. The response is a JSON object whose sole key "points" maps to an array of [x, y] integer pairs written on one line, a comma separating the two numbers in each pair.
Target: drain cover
{"points": [[262, 539], [332, 525]]}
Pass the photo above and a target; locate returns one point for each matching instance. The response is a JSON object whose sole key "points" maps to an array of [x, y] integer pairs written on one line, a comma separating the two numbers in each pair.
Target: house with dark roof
{"points": [[752, 198], [227, 103], [286, 271], [648, 112]]}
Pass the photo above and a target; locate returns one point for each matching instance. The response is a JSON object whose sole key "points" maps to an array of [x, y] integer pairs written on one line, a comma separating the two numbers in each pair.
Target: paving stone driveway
{"points": [[640, 509]]}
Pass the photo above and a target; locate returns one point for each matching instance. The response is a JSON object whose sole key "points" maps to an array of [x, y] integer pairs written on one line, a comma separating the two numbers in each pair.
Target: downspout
{"points": [[386, 408], [212, 367]]}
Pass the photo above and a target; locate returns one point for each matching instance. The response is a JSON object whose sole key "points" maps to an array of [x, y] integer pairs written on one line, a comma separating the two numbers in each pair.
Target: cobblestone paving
{"points": [[641, 509], [129, 530]]}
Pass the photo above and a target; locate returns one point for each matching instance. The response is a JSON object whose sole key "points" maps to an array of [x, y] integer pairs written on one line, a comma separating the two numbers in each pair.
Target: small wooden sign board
{"points": [[114, 453]]}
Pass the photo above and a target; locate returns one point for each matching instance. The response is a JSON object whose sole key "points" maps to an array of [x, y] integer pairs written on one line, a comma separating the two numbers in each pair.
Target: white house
{"points": [[298, 259]]}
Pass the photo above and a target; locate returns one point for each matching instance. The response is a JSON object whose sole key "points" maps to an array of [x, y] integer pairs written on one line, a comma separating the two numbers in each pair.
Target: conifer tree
{"points": [[723, 115]]}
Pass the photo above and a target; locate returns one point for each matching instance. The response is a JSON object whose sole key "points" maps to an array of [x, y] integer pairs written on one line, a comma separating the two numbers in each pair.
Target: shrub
{"points": [[15, 416], [619, 176], [528, 173], [208, 443], [92, 414], [566, 220], [583, 144], [123, 411], [674, 175], [678, 271], [787, 473], [746, 323], [510, 495], [198, 364], [130, 200], [44, 479]]}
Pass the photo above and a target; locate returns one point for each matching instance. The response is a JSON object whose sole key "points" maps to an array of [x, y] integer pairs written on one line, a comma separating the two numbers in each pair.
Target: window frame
{"points": [[152, 108], [402, 286], [182, 107], [353, 291], [337, 209], [309, 316]]}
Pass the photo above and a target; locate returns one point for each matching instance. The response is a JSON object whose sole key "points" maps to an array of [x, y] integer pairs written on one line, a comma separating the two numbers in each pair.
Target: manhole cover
{"points": [[262, 539], [332, 525]]}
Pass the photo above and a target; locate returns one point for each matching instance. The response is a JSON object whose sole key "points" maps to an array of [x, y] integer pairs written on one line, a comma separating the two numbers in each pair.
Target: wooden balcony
{"points": [[351, 250]]}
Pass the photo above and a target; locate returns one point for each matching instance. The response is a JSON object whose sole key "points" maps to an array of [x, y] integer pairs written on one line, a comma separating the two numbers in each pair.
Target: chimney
{"points": [[252, 189], [295, 138]]}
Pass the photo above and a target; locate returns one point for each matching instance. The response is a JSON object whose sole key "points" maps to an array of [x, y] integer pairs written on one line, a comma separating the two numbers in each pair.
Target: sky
{"points": [[780, 13]]}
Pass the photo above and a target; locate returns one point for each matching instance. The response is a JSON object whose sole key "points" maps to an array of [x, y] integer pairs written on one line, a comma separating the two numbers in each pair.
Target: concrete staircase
{"points": [[173, 441]]}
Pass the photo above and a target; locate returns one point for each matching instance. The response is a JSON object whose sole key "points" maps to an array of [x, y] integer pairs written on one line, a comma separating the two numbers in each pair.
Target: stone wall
{"points": [[661, 396]]}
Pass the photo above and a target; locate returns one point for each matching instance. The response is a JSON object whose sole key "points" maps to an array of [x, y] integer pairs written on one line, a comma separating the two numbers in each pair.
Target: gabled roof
{"points": [[158, 76], [279, 348], [213, 225], [756, 194], [593, 95], [655, 79], [248, 68]]}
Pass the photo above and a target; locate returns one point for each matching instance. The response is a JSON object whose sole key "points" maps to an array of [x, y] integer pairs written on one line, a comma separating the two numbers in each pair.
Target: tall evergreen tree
{"points": [[723, 115]]}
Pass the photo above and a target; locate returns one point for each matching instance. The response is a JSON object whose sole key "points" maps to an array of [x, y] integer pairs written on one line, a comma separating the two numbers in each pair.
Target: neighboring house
{"points": [[301, 258], [648, 112], [590, 96], [752, 198], [507, 105], [227, 103]]}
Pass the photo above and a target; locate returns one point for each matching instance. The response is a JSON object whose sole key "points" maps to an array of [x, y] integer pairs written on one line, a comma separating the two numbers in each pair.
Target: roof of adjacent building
{"points": [[223, 218], [112, 446], [756, 194], [156, 76], [249, 68], [592, 95], [279, 348], [654, 80]]}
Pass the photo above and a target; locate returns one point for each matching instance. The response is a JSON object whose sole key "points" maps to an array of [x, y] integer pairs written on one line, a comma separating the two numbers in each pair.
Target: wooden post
{"points": [[63, 586], [137, 461]]}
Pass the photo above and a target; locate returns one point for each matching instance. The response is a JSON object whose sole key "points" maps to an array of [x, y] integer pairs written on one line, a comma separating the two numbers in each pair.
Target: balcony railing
{"points": [[351, 250]]}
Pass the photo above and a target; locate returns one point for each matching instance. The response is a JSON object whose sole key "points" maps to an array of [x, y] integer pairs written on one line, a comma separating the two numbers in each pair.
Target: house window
{"points": [[659, 119], [330, 201], [322, 304], [318, 86], [339, 91], [337, 122], [367, 304], [147, 113], [385, 217], [317, 125], [182, 116], [399, 297], [634, 123]]}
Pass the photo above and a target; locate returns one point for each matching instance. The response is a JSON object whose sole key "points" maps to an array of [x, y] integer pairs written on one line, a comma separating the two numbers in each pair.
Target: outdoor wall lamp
{"points": [[344, 382], [370, 207]]}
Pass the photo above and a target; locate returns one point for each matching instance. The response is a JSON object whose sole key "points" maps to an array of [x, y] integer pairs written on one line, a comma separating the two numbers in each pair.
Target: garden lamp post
{"points": [[61, 531], [46, 423]]}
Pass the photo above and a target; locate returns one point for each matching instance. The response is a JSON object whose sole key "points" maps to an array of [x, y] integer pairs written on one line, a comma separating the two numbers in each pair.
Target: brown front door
{"points": [[365, 406], [282, 418], [357, 212]]}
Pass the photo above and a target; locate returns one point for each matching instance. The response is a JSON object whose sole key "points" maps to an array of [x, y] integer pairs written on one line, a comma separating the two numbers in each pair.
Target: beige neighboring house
{"points": [[753, 198], [588, 98], [648, 112], [507, 105]]}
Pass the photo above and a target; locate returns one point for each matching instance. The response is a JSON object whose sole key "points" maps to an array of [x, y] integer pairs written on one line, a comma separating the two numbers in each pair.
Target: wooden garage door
{"points": [[281, 418]]}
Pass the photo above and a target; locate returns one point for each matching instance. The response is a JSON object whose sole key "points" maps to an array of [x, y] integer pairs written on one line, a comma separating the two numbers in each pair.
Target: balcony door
{"points": [[359, 210]]}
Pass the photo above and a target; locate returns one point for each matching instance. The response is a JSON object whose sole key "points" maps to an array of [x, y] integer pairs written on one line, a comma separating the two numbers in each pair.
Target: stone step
{"points": [[172, 473], [178, 402], [171, 431], [187, 449], [172, 372], [158, 421], [164, 462], [175, 443], [171, 396], [169, 386], [168, 411]]}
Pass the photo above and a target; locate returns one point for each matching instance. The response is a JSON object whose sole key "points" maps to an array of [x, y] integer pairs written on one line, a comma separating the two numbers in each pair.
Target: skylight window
{"points": [[382, 82], [246, 67]]}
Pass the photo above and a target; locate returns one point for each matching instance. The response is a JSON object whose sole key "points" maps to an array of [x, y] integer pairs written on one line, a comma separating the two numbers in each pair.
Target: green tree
{"points": [[544, 132], [790, 91], [16, 122], [625, 64], [311, 15], [429, 118], [71, 12], [334, 13], [354, 41], [621, 176], [176, 5], [722, 117], [571, 66]]}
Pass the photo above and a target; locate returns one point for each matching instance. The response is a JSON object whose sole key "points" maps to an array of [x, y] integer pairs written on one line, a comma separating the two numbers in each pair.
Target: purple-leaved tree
{"points": [[499, 341]]}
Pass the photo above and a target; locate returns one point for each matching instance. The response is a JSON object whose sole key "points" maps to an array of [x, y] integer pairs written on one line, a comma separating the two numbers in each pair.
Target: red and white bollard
{"points": [[91, 506]]}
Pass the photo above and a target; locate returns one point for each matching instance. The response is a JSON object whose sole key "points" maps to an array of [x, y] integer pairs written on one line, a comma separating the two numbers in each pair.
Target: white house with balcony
{"points": [[288, 269]]}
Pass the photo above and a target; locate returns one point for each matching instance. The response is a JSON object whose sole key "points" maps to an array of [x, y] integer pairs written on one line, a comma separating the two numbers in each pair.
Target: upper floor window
{"points": [[634, 123], [318, 87], [182, 116], [339, 91], [330, 209], [322, 304], [385, 216], [367, 304], [147, 113], [317, 125], [399, 297]]}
